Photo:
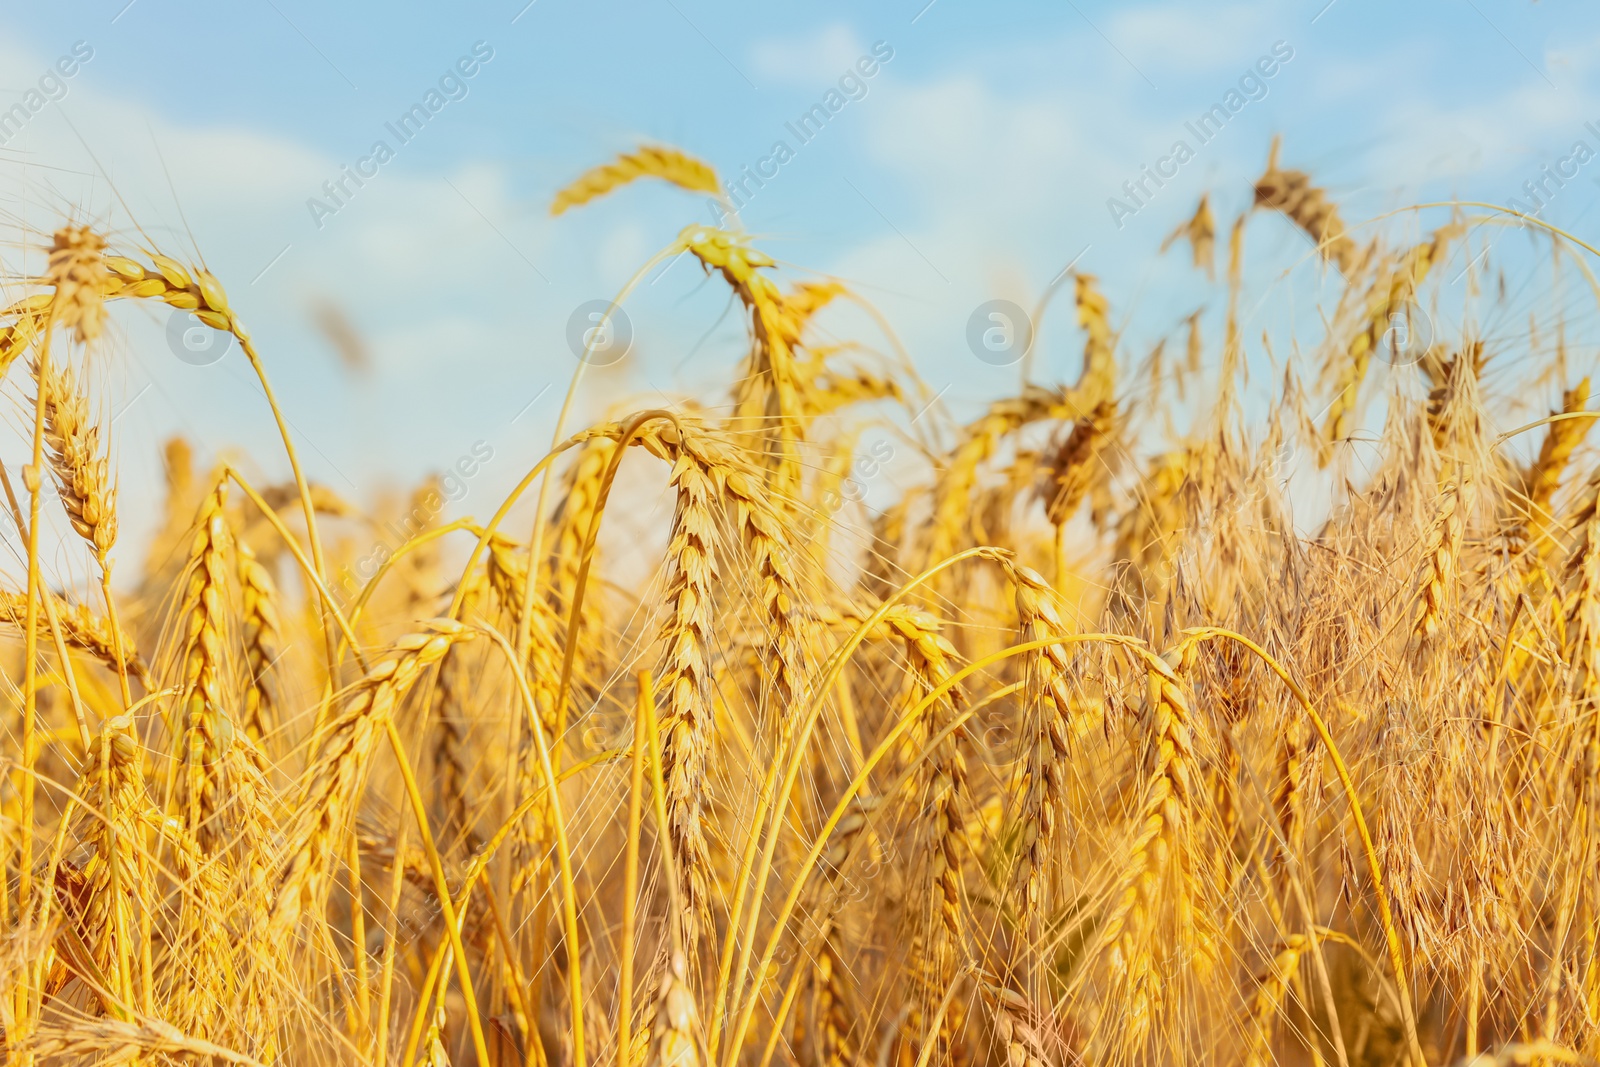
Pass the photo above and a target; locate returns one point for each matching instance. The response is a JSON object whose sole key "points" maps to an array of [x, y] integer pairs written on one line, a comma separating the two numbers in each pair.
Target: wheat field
{"points": [[1083, 749]]}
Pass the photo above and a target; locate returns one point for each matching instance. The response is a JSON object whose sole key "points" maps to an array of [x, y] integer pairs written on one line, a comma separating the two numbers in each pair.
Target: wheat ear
{"points": [[1308, 207], [649, 161], [262, 631], [1158, 856], [1049, 749], [207, 729], [340, 764], [82, 629]]}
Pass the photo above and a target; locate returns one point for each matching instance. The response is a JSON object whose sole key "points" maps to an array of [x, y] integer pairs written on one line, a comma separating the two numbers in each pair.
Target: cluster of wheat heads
{"points": [[1079, 750]]}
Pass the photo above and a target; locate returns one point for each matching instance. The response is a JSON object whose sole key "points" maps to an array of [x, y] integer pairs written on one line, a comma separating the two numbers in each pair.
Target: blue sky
{"points": [[978, 163]]}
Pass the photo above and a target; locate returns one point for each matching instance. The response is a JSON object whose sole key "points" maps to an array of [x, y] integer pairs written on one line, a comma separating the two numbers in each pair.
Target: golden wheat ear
{"points": [[1308, 207], [649, 161]]}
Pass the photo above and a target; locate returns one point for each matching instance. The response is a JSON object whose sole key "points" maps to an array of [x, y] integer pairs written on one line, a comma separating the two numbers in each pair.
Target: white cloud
{"points": [[809, 60], [1189, 38]]}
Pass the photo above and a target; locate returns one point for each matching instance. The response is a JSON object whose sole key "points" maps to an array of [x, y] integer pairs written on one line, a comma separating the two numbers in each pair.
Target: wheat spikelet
{"points": [[341, 756], [194, 290], [434, 1052], [781, 599], [1153, 519], [216, 900], [673, 1038], [705, 469], [454, 769], [833, 1044], [421, 567], [1450, 395], [1288, 794], [574, 519], [28, 321], [944, 783], [648, 161], [1098, 376], [1016, 1027], [1291, 192], [824, 390], [832, 1006]]}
